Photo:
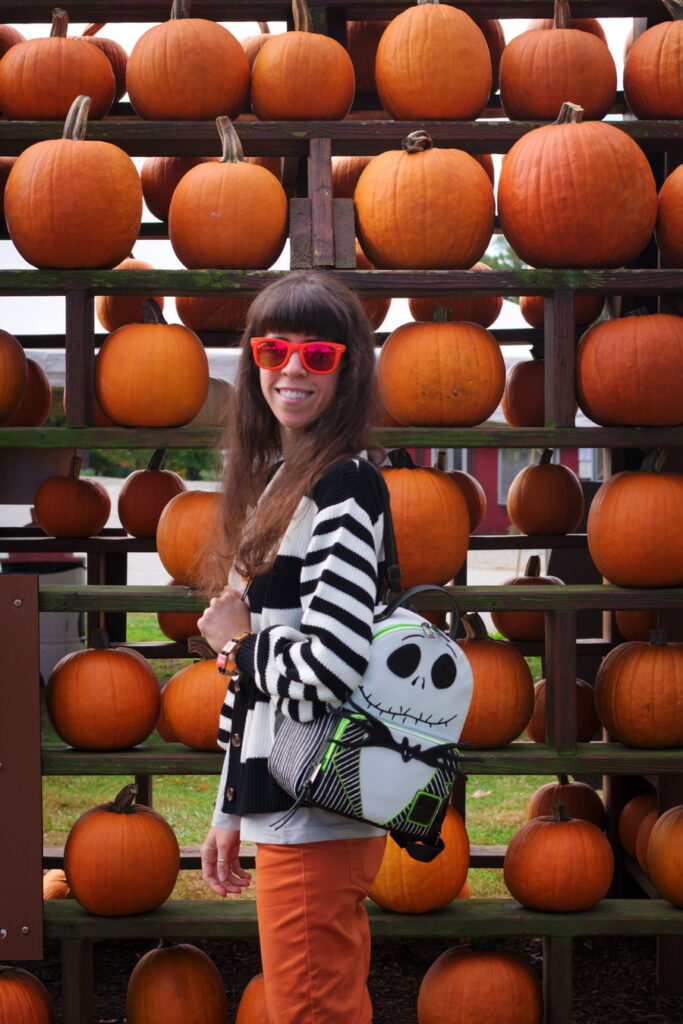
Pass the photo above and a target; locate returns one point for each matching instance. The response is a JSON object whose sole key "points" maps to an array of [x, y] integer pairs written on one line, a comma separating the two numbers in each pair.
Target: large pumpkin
{"points": [[69, 507], [145, 494], [628, 371], [121, 858], [441, 374], [577, 195], [177, 984], [302, 75], [175, 388], [423, 208], [192, 701], [13, 374], [470, 986], [23, 998], [665, 855], [102, 698], [187, 69], [652, 79], [558, 863], [580, 801], [408, 886], [228, 213], [115, 311], [433, 62], [431, 522], [73, 202], [160, 176], [477, 309], [587, 721], [539, 70], [36, 402], [639, 693], [545, 498], [634, 526], [185, 527], [525, 625], [41, 78], [503, 689]]}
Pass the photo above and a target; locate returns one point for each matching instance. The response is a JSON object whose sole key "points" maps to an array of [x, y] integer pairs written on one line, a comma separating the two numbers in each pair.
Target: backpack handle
{"points": [[404, 599]]}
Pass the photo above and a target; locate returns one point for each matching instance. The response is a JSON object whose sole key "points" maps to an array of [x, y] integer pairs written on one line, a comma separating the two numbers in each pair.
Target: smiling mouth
{"points": [[293, 394], [406, 714]]}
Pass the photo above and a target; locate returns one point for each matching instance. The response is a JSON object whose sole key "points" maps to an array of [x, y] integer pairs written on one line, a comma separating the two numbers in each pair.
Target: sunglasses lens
{"points": [[319, 357], [272, 354]]}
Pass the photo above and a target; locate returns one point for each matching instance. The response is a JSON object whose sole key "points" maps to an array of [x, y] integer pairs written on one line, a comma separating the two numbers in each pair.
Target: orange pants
{"points": [[313, 929]]}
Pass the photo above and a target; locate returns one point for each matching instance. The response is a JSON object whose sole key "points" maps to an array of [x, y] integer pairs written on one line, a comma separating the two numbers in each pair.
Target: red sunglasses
{"points": [[316, 356]]}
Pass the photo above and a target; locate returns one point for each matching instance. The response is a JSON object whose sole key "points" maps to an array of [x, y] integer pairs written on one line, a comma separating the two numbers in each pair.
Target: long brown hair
{"points": [[316, 303]]}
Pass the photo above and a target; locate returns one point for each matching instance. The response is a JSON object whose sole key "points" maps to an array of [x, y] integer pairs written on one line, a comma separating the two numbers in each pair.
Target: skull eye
{"points": [[404, 661], [444, 672]]}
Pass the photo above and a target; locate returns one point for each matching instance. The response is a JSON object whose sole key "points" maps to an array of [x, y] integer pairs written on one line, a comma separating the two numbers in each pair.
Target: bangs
{"points": [[310, 308]]}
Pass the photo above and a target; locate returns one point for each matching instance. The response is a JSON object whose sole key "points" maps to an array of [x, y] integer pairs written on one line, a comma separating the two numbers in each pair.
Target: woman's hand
{"points": [[221, 868], [227, 616]]}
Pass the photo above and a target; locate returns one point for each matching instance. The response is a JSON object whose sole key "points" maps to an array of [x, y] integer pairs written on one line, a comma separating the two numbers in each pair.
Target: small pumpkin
{"points": [[472, 491], [252, 1007], [114, 311], [631, 816], [144, 495], [580, 801], [55, 885], [346, 170], [184, 529], [526, 625], [169, 396], [669, 221], [160, 176], [636, 624], [523, 401], [664, 855], [13, 374], [587, 308], [102, 698], [176, 984], [476, 309], [121, 858], [375, 309], [407, 886], [192, 701], [66, 506], [362, 40], [545, 498], [178, 626], [34, 407], [587, 721], [213, 313], [6, 165], [9, 36], [643, 835], [503, 689], [115, 54], [23, 998], [558, 863]]}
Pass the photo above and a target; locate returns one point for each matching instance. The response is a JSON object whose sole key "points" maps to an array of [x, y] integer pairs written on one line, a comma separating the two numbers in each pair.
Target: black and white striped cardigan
{"points": [[312, 621]]}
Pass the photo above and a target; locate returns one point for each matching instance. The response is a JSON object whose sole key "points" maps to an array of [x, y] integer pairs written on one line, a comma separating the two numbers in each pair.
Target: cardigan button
{"points": [[230, 794], [236, 739]]}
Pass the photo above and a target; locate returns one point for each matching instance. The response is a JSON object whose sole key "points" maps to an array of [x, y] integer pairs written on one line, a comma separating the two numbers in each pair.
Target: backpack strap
{"points": [[421, 851], [392, 571]]}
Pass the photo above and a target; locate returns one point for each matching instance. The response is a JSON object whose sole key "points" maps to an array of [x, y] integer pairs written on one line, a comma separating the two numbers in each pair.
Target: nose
{"points": [[294, 367]]}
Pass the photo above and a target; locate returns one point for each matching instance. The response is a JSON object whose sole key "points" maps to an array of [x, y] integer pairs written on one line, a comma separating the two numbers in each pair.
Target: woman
{"points": [[302, 521]]}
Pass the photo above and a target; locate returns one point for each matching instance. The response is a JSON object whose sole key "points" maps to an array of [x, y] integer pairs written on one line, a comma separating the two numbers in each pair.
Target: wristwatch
{"points": [[226, 661]]}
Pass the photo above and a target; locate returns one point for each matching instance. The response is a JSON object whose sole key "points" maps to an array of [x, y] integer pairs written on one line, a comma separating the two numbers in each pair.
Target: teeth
{"points": [[286, 393]]}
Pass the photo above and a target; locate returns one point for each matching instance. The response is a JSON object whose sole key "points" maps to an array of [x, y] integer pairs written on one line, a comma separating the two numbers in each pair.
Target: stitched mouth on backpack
{"points": [[406, 714]]}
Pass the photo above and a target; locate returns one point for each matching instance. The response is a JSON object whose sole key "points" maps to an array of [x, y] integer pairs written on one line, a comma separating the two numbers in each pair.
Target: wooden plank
{"points": [[473, 917], [77, 980], [80, 359], [561, 674], [557, 980], [560, 358], [344, 233], [320, 194], [21, 899], [300, 236]]}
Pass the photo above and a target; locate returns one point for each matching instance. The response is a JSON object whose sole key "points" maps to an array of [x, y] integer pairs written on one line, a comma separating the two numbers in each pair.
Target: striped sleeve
{"points": [[323, 660]]}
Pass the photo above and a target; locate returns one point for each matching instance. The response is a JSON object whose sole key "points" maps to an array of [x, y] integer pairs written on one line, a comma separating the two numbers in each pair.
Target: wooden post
{"points": [[560, 690], [560, 359], [77, 981], [80, 359], [557, 980], [320, 193]]}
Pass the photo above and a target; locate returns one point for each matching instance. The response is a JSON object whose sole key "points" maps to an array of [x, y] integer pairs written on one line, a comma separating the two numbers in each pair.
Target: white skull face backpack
{"points": [[388, 756]]}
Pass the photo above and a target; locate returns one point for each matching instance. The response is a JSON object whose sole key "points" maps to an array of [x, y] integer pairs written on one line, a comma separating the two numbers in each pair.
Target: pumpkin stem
{"points": [[441, 461], [654, 461], [658, 637], [123, 801], [75, 466], [264, 27], [152, 311], [92, 30], [537, 354], [428, 1], [474, 626], [60, 23], [301, 16], [546, 458], [570, 113], [417, 142], [76, 123], [400, 459], [157, 459], [561, 14], [638, 311], [675, 8], [563, 780], [533, 566], [100, 639], [230, 142], [442, 314], [201, 648], [180, 9], [560, 811]]}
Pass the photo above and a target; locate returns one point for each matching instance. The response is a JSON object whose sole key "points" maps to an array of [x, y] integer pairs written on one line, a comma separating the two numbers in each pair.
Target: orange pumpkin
{"points": [[441, 374], [545, 498], [175, 390], [9, 36], [178, 626], [471, 490], [540, 69], [23, 998], [669, 220], [591, 25], [664, 855], [523, 401], [639, 693], [423, 208], [115, 54], [217, 405], [643, 840], [72, 202], [55, 885], [633, 527], [477, 309], [493, 33], [587, 308], [558, 863], [652, 81], [192, 701], [187, 69], [102, 698], [576, 195], [362, 40], [228, 213], [611, 393], [433, 62], [145, 494], [34, 407], [160, 176], [631, 816], [526, 625], [431, 522], [66, 506], [503, 690], [6, 165], [252, 44], [213, 312], [252, 1008], [185, 527], [473, 985], [587, 721], [121, 858], [41, 78], [375, 309], [408, 886], [115, 311], [579, 799], [13, 374], [636, 625], [176, 984], [302, 75]]}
